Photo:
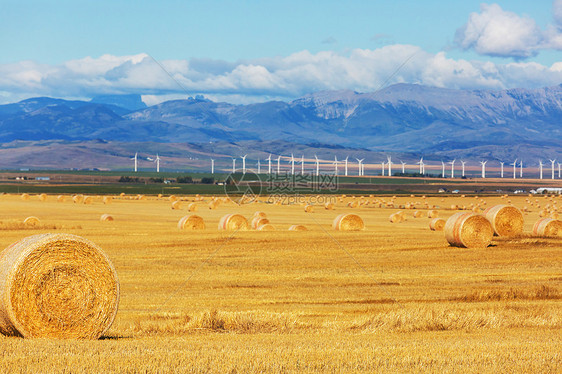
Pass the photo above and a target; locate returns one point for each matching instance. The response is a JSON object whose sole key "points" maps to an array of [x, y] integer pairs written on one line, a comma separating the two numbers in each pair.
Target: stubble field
{"points": [[394, 297]]}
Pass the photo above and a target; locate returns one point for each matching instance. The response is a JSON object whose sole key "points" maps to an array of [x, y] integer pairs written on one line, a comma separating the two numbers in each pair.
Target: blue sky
{"points": [[244, 51]]}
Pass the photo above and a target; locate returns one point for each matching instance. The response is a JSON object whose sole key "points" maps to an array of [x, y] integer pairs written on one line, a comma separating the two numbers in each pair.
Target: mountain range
{"points": [[406, 119]]}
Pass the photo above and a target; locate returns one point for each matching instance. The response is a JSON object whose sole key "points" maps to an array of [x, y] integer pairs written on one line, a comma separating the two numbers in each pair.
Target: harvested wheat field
{"points": [[388, 298]]}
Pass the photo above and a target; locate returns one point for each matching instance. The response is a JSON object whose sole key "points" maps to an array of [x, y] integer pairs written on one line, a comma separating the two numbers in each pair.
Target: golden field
{"points": [[394, 297]]}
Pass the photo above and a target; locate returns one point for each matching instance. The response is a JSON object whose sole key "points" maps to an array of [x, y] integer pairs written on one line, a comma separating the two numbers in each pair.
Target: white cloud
{"points": [[498, 32], [285, 77]]}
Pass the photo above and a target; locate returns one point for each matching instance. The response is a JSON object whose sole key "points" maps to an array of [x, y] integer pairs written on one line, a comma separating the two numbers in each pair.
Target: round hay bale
{"points": [[233, 222], [192, 207], [176, 205], [57, 286], [298, 228], [469, 230], [260, 214], [78, 199], [396, 218], [418, 214], [506, 220], [106, 218], [31, 221], [309, 208], [437, 224], [432, 214], [42, 197], [61, 198], [329, 206], [353, 204], [191, 222], [266, 227], [24, 196], [348, 222], [159, 196], [172, 198], [107, 199], [454, 207], [214, 204], [122, 194], [88, 200], [258, 221], [554, 215], [548, 227]]}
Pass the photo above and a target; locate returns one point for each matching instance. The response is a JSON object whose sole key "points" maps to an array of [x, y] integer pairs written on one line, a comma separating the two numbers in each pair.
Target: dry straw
{"points": [[469, 230], [42, 197], [329, 206], [192, 207], [548, 227], [107, 199], [106, 218], [191, 222], [88, 200], [56, 286], [78, 199], [506, 220], [176, 205], [418, 214], [172, 198], [348, 222], [214, 204], [258, 221], [266, 227], [298, 228], [437, 224], [60, 198], [260, 214], [24, 196], [309, 208], [233, 222], [31, 221]]}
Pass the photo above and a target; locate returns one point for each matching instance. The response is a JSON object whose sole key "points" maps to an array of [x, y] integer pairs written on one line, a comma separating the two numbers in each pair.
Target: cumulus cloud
{"points": [[498, 32], [280, 78]]}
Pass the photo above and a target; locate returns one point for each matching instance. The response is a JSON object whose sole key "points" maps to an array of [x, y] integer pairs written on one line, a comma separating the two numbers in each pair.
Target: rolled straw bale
{"points": [[266, 227], [260, 214], [172, 198], [548, 227], [348, 222], [176, 205], [78, 199], [353, 204], [106, 218], [42, 197], [417, 214], [233, 222], [298, 228], [506, 220], [56, 286], [88, 200], [309, 208], [469, 230], [432, 214], [191, 222], [213, 204], [258, 221], [31, 221], [24, 196], [454, 207], [554, 215], [396, 218], [60, 198], [192, 207], [107, 199], [122, 194], [329, 206], [159, 196], [437, 224]]}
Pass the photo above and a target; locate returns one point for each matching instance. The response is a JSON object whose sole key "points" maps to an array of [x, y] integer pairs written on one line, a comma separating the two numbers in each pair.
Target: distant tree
{"points": [[184, 179], [208, 180], [127, 179], [157, 180]]}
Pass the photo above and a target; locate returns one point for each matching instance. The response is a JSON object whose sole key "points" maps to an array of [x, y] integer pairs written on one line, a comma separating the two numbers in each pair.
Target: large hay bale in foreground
{"points": [[106, 218], [298, 228], [469, 230], [191, 222], [56, 286], [437, 224], [548, 227], [506, 220], [233, 222], [348, 222]]}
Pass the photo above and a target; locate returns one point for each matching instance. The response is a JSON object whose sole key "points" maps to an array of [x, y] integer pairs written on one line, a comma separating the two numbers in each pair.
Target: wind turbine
{"points": [[317, 166], [212, 166], [558, 170], [259, 166], [483, 163], [292, 161], [382, 165], [278, 164], [540, 169], [501, 172], [443, 172], [233, 165], [302, 165], [157, 163], [452, 168], [360, 166], [420, 162], [269, 164], [521, 169], [336, 165], [553, 161], [389, 166], [514, 169], [463, 162], [403, 164], [346, 165], [136, 160], [244, 164]]}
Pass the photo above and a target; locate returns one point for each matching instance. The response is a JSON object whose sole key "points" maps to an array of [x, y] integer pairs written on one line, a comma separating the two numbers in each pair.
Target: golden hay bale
{"points": [[329, 206], [214, 204], [309, 208], [106, 218], [176, 205], [258, 221], [469, 230], [266, 227], [506, 220], [233, 222], [57, 286], [353, 204], [42, 197], [260, 214], [78, 199], [60, 198], [437, 224], [298, 228], [418, 214], [88, 200], [159, 195], [172, 198], [31, 221], [554, 215], [192, 207], [191, 222], [141, 197], [24, 196], [348, 222], [548, 227], [122, 194], [432, 214], [454, 207], [107, 199], [396, 218]]}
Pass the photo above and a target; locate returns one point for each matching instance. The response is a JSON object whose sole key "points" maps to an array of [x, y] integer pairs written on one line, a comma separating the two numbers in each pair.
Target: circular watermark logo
{"points": [[243, 188]]}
